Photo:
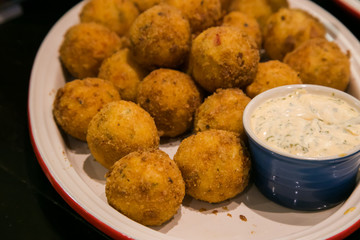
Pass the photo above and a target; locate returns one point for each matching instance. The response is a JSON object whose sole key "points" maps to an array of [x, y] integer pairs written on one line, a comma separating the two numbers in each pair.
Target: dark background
{"points": [[30, 208]]}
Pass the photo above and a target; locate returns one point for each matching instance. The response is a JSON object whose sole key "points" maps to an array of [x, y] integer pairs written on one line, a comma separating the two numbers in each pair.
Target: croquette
{"points": [[287, 29], [85, 46], [272, 74], [77, 102], [121, 127], [171, 97], [201, 14], [145, 186], [214, 165], [117, 15], [321, 62], [246, 23], [258, 9], [160, 37], [143, 5], [126, 74], [223, 57], [222, 110], [277, 4]]}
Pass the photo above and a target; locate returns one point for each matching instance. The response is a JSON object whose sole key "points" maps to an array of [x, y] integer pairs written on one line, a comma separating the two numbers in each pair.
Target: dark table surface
{"points": [[30, 208]]}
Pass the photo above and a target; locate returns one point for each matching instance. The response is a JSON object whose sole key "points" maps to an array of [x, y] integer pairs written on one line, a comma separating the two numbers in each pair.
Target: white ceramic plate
{"points": [[79, 179], [352, 6]]}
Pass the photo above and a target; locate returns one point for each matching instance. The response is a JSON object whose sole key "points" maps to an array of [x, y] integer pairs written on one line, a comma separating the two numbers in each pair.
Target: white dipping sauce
{"points": [[306, 124]]}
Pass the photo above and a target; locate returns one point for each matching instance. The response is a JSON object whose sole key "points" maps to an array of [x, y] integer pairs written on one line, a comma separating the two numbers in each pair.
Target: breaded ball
{"points": [[160, 37], [258, 9], [77, 102], [321, 62], [143, 5], [126, 74], [245, 23], [223, 57], [277, 4], [222, 110], [272, 74], [171, 97], [117, 15], [85, 46], [214, 165], [225, 4], [200, 13], [287, 29], [145, 186], [120, 128]]}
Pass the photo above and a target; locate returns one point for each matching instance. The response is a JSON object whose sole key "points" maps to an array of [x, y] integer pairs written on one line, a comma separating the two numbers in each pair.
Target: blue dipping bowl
{"points": [[301, 183]]}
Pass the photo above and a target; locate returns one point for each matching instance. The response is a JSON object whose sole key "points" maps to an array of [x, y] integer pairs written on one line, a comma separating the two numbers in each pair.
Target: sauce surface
{"points": [[306, 124]]}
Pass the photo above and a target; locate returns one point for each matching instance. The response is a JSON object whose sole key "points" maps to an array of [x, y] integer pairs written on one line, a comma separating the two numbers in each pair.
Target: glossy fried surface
{"points": [[287, 29], [117, 15], [85, 46], [272, 74], [145, 186], [77, 102], [214, 165], [222, 110], [120, 128], [160, 37], [122, 70], [171, 98], [223, 57], [321, 62]]}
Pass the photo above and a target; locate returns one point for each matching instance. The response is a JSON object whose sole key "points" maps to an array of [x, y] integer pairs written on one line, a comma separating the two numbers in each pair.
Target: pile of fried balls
{"points": [[145, 70]]}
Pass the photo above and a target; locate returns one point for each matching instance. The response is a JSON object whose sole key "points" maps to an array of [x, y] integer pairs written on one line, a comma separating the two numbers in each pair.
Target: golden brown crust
{"points": [[143, 5], [171, 98], [123, 72], [222, 110], [223, 57], [287, 29], [160, 37], [214, 165], [321, 62], [145, 186], [245, 23], [78, 101], [200, 13], [272, 74], [119, 128], [85, 46], [117, 15]]}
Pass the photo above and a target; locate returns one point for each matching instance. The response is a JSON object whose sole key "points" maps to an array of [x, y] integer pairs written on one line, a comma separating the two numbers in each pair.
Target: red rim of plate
{"points": [[68, 199], [348, 7]]}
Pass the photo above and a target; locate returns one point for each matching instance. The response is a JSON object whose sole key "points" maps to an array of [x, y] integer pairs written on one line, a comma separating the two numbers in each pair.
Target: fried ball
{"points": [[245, 23], [145, 186], [120, 128], [124, 73], [223, 57], [277, 4], [85, 46], [287, 29], [78, 101], [258, 9], [143, 5], [222, 110], [272, 74], [225, 5], [171, 98], [214, 164], [321, 62], [160, 37], [117, 15], [200, 13]]}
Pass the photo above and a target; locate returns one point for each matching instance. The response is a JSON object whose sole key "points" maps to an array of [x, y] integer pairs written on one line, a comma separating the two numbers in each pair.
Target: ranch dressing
{"points": [[306, 124]]}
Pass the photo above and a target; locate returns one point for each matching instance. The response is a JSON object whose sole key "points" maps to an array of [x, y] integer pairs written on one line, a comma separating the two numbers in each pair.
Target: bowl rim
{"points": [[282, 91]]}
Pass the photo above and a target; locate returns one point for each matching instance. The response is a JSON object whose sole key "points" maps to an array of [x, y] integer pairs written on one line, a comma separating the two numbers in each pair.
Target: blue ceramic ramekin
{"points": [[301, 183]]}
